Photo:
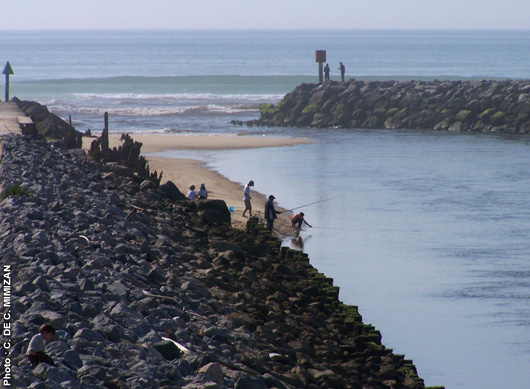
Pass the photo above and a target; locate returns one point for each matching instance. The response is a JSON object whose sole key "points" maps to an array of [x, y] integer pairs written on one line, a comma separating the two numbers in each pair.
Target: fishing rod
{"points": [[316, 202]]}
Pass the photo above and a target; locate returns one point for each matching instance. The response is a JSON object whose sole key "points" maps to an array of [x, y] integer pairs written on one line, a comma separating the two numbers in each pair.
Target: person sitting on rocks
{"points": [[202, 193], [192, 195], [37, 345]]}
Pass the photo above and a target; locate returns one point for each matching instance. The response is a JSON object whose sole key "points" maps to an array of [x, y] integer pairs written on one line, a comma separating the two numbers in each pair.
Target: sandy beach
{"points": [[184, 172]]}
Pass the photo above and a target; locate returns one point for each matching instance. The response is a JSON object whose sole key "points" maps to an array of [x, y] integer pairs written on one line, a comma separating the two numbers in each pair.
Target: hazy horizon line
{"points": [[265, 29]]}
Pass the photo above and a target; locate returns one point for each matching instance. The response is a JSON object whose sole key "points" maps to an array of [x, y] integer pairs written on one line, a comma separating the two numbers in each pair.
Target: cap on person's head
{"points": [[301, 214], [251, 183], [192, 187], [271, 197]]}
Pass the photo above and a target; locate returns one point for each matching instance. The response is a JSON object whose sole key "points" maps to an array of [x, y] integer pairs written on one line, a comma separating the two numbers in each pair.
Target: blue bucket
{"points": [[231, 209]]}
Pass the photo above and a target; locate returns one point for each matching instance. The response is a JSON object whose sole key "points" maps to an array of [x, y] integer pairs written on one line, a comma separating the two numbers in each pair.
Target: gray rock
{"points": [[72, 360], [88, 334], [250, 383], [38, 385], [214, 211], [168, 350], [93, 371], [214, 371], [41, 283], [171, 191], [148, 184], [126, 316], [195, 287], [119, 289], [57, 348], [58, 374]]}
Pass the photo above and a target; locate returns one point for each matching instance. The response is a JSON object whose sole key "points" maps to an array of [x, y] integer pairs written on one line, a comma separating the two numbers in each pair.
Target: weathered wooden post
{"points": [[105, 136], [320, 57], [7, 71]]}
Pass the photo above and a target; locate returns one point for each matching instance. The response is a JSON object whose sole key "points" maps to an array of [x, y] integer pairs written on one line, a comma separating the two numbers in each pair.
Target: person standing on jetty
{"points": [[247, 198], [326, 72], [342, 69], [37, 345], [192, 195], [270, 213]]}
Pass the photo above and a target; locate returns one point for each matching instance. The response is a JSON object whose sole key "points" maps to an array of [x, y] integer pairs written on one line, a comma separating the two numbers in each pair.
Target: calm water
{"points": [[429, 236], [426, 232]]}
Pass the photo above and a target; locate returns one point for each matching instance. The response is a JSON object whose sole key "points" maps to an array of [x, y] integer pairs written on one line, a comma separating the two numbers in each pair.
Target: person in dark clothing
{"points": [[270, 212], [326, 72], [342, 69]]}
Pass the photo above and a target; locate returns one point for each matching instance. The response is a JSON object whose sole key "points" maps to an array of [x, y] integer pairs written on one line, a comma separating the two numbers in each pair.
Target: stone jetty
{"points": [[149, 290], [470, 106]]}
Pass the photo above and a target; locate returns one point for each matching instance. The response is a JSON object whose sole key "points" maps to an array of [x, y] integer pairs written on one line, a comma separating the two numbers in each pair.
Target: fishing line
{"points": [[316, 202]]}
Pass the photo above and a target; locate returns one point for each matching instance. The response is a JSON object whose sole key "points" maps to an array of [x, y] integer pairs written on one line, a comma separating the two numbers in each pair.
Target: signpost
{"points": [[320, 57], [7, 71]]}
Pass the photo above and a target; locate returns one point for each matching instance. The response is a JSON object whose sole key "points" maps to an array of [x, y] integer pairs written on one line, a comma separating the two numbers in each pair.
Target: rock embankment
{"points": [[474, 106], [49, 125], [146, 291]]}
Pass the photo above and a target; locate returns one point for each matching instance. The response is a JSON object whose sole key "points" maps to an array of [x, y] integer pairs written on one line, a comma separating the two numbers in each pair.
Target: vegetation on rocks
{"points": [[13, 190]]}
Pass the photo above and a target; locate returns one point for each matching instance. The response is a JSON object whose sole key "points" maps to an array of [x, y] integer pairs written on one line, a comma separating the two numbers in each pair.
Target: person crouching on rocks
{"points": [[37, 345], [192, 195], [298, 219]]}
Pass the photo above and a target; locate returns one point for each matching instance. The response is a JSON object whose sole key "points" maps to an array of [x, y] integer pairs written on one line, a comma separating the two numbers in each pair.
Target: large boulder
{"points": [[214, 211], [170, 190]]}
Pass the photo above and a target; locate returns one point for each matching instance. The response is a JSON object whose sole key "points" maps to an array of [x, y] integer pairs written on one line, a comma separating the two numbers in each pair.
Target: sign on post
{"points": [[320, 57], [8, 70]]}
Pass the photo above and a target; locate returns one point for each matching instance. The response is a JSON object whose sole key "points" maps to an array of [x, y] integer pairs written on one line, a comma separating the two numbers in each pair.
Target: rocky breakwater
{"points": [[148, 291], [474, 106], [49, 125]]}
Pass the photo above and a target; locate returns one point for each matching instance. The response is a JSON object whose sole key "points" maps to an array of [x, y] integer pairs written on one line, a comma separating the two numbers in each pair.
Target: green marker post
{"points": [[8, 70]]}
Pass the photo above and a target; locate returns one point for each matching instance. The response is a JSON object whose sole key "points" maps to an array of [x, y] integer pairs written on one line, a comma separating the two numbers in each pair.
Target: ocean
{"points": [[427, 232]]}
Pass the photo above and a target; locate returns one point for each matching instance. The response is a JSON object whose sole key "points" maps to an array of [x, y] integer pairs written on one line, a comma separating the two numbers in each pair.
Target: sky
{"points": [[264, 14]]}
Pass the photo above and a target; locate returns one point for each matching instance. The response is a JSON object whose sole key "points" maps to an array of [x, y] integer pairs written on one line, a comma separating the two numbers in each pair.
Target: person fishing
{"points": [[298, 219], [270, 213], [342, 69]]}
